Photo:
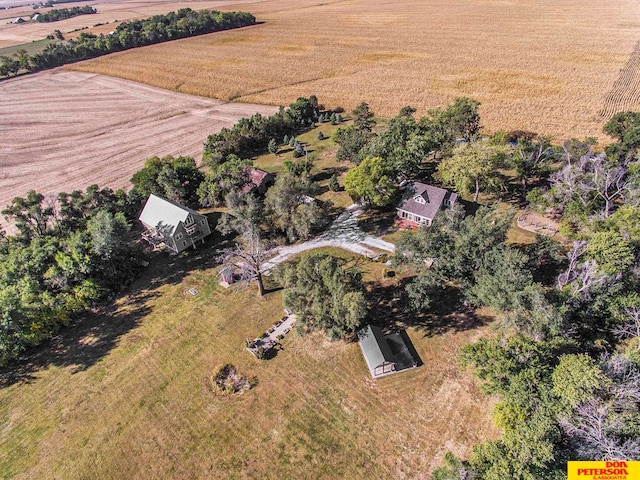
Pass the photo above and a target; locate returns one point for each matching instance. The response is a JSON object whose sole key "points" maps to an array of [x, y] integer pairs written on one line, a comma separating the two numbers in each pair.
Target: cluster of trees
{"points": [[253, 134], [446, 139], [70, 252], [324, 295], [135, 33], [51, 3], [593, 190], [63, 13], [177, 179], [400, 150], [566, 368]]}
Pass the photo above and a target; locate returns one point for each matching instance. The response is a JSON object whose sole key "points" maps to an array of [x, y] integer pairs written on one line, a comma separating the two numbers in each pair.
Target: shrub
{"points": [[261, 353], [320, 136], [226, 380], [334, 185]]}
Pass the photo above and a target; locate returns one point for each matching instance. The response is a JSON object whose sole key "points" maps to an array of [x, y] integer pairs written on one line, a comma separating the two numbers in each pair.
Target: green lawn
{"points": [[124, 394], [323, 154], [32, 47]]}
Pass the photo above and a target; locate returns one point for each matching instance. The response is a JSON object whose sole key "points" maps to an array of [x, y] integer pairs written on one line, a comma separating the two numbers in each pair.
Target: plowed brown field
{"points": [[65, 130], [543, 65]]}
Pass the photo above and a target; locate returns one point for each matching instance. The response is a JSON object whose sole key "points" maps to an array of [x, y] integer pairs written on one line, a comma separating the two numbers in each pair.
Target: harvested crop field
{"points": [[546, 65], [110, 14], [64, 130]]}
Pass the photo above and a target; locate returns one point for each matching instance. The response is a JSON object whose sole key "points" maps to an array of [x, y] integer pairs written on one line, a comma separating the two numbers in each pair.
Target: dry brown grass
{"points": [[65, 130], [542, 65], [126, 395]]}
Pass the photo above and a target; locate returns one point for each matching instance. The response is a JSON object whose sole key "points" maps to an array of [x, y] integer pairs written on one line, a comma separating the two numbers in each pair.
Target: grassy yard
{"points": [[125, 393], [323, 155]]}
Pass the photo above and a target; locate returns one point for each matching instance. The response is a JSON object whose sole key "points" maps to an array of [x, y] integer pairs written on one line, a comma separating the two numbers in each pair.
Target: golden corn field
{"points": [[552, 66]]}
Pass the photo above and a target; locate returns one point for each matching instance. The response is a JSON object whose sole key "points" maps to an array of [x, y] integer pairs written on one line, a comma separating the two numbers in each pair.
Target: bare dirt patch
{"points": [[545, 66], [65, 130]]}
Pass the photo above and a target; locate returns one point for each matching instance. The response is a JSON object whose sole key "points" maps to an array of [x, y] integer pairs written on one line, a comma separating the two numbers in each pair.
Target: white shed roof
{"points": [[159, 210], [375, 349]]}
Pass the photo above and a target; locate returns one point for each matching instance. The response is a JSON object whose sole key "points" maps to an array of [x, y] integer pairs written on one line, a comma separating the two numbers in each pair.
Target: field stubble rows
{"points": [[65, 130], [545, 66]]}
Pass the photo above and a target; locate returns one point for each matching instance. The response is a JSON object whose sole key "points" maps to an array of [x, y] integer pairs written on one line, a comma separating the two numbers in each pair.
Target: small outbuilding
{"points": [[259, 181], [385, 354], [171, 225]]}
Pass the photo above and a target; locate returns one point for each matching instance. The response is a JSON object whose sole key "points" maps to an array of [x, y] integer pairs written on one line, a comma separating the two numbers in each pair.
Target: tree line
{"points": [[565, 366], [70, 252], [58, 14], [135, 33]]}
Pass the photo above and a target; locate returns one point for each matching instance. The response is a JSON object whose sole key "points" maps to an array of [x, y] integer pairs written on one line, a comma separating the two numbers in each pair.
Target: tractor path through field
{"points": [[64, 130], [343, 233]]}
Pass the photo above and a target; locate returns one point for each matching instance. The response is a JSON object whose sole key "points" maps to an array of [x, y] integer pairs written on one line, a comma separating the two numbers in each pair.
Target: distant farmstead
{"points": [[421, 202], [385, 354], [171, 225]]}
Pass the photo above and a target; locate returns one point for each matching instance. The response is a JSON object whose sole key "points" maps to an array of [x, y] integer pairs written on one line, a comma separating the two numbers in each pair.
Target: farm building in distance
{"points": [[385, 354], [171, 225], [421, 202]]}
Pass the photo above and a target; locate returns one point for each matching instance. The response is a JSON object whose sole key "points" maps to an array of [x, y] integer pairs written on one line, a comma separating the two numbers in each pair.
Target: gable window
{"points": [[179, 236], [184, 244], [419, 199]]}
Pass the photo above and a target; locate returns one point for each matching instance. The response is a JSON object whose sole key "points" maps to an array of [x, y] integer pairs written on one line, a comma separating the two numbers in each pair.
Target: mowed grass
{"points": [[323, 155], [125, 393], [543, 66]]}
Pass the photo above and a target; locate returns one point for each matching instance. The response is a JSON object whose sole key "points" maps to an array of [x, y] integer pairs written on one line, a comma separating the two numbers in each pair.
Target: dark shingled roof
{"points": [[433, 198]]}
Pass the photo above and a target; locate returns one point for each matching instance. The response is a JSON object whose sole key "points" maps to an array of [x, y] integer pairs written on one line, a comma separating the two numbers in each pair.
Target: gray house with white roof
{"points": [[171, 225], [421, 202]]}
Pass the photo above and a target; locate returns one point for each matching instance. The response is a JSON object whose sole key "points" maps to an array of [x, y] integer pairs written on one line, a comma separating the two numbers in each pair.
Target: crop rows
{"points": [[625, 94]]}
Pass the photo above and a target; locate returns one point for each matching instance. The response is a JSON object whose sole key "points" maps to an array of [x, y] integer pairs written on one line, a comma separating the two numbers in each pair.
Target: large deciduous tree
{"points": [[176, 179], [324, 295], [372, 181], [291, 206], [354, 138], [223, 179], [473, 166], [248, 258]]}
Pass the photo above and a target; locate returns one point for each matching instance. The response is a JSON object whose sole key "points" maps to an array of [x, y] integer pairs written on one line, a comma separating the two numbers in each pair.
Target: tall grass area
{"points": [[124, 394]]}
